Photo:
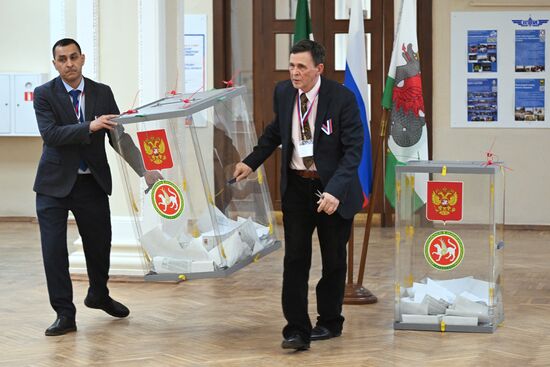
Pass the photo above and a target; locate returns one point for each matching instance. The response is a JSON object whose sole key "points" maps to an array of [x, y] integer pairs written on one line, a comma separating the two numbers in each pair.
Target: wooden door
{"points": [[272, 28]]}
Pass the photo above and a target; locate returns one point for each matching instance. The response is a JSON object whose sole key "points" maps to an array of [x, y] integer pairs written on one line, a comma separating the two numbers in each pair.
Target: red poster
{"points": [[444, 201], [155, 150]]}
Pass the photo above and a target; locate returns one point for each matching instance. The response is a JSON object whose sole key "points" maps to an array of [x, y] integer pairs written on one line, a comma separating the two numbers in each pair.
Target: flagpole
{"points": [[356, 294], [375, 186], [350, 256]]}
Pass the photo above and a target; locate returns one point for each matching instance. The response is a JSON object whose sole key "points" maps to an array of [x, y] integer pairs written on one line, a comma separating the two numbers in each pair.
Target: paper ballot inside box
{"points": [[463, 297]]}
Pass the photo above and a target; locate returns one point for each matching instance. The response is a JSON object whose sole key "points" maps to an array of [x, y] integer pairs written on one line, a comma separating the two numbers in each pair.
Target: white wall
{"points": [[118, 67], [524, 150], [25, 47]]}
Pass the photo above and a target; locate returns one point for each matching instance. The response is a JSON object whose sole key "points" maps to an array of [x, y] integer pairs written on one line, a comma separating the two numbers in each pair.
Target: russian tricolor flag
{"points": [[356, 80]]}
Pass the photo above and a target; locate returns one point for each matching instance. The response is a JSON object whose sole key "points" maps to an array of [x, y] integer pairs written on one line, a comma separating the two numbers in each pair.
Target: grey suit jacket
{"points": [[337, 155], [66, 141]]}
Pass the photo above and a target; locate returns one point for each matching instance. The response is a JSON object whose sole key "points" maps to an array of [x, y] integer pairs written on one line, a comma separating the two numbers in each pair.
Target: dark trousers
{"points": [[90, 206], [300, 218]]}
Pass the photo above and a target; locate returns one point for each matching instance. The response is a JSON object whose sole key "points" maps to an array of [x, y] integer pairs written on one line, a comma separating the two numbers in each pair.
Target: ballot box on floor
{"points": [[449, 252], [193, 220]]}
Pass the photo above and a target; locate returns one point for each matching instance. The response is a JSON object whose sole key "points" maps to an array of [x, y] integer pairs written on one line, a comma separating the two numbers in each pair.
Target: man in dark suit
{"points": [[318, 125], [73, 174]]}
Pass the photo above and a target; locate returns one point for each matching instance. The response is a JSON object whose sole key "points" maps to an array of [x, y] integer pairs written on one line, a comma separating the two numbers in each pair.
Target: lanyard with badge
{"points": [[305, 149]]}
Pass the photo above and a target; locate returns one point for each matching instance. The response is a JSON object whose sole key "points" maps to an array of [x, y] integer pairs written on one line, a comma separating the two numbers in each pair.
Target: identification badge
{"points": [[305, 149]]}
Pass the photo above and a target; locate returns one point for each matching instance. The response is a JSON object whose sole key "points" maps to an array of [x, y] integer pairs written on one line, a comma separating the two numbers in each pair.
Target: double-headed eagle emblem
{"points": [[155, 148], [444, 200]]}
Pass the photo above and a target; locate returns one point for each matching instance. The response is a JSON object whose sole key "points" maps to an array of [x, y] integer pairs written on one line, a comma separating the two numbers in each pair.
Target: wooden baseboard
{"points": [[528, 227], [27, 220], [112, 278], [360, 220], [19, 219]]}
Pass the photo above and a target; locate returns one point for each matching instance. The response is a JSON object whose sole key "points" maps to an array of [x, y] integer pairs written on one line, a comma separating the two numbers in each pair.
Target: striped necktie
{"points": [[75, 95], [306, 131]]}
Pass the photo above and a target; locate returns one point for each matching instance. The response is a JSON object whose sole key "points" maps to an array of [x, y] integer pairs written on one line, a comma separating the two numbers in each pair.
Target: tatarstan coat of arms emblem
{"points": [[167, 199], [444, 250]]}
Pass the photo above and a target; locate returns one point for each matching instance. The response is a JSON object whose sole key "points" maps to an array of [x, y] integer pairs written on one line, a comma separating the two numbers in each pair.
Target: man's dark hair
{"points": [[316, 50], [65, 42]]}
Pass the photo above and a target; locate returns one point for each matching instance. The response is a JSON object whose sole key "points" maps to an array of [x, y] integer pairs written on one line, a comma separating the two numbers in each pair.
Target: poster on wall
{"points": [[530, 50], [498, 69], [194, 60], [529, 100], [482, 51], [194, 50], [482, 99]]}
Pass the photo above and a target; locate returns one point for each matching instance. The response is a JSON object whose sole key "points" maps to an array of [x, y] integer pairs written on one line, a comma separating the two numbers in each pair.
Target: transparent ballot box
{"points": [[449, 252], [191, 219]]}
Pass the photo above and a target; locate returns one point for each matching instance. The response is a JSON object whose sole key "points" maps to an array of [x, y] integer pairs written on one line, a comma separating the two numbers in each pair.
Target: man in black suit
{"points": [[318, 125], [74, 115]]}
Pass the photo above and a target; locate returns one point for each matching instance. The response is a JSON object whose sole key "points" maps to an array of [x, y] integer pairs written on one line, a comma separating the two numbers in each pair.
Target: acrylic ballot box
{"points": [[449, 252], [193, 221]]}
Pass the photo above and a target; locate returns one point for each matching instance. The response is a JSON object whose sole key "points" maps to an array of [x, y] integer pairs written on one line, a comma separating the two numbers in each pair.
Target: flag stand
{"points": [[355, 293]]}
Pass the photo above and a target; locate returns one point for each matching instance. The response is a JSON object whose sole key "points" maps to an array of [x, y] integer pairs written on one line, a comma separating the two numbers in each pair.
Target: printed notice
{"points": [[482, 51], [482, 99], [530, 50], [529, 100]]}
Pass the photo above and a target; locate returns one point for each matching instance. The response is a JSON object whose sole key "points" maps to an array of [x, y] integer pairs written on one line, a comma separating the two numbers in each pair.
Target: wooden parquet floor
{"points": [[236, 321]]}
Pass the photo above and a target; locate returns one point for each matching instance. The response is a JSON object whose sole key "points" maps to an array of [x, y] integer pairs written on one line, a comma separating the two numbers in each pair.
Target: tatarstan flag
{"points": [[302, 26], [408, 135]]}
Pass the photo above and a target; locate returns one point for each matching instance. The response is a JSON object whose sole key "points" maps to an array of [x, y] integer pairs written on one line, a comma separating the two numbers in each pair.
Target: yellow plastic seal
{"points": [[409, 230], [410, 280], [134, 206], [398, 190], [260, 177]]}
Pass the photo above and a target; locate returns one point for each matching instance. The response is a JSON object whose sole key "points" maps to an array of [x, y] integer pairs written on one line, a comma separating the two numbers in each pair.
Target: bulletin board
{"points": [[499, 69]]}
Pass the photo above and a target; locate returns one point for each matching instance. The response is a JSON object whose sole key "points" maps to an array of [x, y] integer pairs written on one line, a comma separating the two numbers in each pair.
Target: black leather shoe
{"points": [[321, 333], [62, 325], [109, 305], [295, 341]]}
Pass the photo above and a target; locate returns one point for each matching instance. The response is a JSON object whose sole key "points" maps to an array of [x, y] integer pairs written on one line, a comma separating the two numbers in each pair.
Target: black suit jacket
{"points": [[337, 156], [66, 140]]}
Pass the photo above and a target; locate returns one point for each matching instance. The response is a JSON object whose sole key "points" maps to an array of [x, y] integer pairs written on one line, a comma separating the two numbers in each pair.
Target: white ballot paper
{"points": [[462, 301], [158, 243], [181, 254]]}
